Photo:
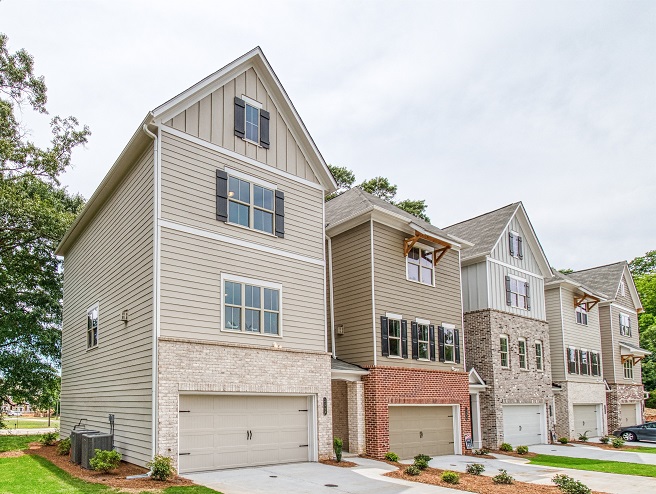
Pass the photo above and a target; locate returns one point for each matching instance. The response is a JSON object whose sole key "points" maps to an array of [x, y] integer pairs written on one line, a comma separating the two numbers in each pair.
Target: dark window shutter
{"points": [[221, 195], [520, 249], [280, 214], [415, 340], [264, 129], [404, 338], [384, 336], [507, 290], [431, 341], [440, 342], [456, 341], [240, 117], [576, 361], [528, 296], [510, 243]]}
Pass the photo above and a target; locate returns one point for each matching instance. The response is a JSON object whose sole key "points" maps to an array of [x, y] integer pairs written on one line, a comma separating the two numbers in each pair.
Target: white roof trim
{"points": [[475, 379], [632, 350], [632, 288]]}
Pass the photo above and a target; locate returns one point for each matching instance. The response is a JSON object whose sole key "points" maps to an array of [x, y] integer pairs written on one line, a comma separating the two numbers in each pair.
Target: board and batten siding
{"points": [[212, 119], [351, 256], [111, 263], [608, 342], [552, 298], [190, 300], [394, 293], [188, 183], [497, 281], [474, 287], [634, 340], [501, 252]]}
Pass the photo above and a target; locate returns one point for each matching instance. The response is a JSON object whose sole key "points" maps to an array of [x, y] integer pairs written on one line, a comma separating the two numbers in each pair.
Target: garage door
{"points": [[235, 431], [629, 414], [414, 430], [585, 420], [522, 424]]}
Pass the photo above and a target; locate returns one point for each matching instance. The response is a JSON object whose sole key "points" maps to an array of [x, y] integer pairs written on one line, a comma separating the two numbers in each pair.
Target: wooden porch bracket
{"points": [[409, 243], [631, 357], [589, 299]]}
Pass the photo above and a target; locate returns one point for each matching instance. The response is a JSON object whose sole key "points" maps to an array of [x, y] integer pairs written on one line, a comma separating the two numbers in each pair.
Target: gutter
{"points": [[332, 299]]}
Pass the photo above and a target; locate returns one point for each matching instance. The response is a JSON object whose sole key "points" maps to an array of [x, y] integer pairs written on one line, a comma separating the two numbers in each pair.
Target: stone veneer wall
{"points": [[396, 385], [576, 393], [623, 394], [507, 386], [214, 367], [340, 413]]}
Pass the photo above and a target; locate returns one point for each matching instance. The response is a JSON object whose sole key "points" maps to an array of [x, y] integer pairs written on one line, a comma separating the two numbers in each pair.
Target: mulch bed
{"points": [[600, 445], [343, 463], [114, 479], [513, 453]]}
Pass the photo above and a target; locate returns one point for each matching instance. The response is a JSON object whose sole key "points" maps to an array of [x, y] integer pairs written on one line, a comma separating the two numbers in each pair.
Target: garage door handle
{"points": [[303, 445], [185, 411], [183, 454]]}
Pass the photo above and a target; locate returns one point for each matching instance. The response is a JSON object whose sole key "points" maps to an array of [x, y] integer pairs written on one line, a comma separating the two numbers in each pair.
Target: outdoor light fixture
{"points": [[325, 405]]}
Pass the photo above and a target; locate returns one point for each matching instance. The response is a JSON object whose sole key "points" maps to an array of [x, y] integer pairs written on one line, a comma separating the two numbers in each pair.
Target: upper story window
{"points": [[394, 336], [503, 351], [251, 121], [449, 345], [594, 364], [517, 293], [585, 364], [572, 360], [423, 338], [515, 244], [522, 354], [628, 369], [538, 355], [420, 265], [92, 326], [623, 288], [582, 314], [625, 324], [252, 124], [250, 205], [251, 306]]}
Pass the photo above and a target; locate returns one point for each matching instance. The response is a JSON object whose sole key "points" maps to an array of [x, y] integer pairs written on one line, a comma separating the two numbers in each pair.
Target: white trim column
{"points": [[355, 400], [475, 401]]}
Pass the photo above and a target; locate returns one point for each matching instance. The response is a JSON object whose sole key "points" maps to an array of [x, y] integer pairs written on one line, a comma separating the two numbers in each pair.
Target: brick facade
{"points": [[340, 412], [507, 385], [221, 368], [623, 394], [393, 385], [576, 393]]}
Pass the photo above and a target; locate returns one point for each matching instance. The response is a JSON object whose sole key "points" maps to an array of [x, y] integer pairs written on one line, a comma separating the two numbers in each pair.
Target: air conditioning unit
{"points": [[92, 442], [76, 444]]}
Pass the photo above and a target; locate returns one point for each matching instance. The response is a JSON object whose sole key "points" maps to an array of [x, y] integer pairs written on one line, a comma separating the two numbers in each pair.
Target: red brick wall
{"points": [[385, 385]]}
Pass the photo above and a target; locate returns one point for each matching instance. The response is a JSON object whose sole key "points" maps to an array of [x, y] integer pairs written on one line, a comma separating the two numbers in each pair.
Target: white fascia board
{"points": [[632, 288], [349, 222], [461, 241], [437, 236]]}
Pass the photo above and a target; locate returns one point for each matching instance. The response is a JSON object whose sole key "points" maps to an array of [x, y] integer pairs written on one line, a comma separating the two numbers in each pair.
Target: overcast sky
{"points": [[469, 105]]}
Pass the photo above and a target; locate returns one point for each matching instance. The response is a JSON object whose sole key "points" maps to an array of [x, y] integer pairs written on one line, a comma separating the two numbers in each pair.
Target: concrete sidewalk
{"points": [[26, 432]]}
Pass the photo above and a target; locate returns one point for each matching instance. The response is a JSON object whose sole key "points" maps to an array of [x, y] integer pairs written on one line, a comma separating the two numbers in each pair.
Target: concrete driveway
{"points": [[303, 478]]}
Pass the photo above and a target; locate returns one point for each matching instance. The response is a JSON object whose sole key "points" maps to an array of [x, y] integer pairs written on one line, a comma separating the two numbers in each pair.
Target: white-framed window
{"points": [[252, 123], [394, 337], [449, 344], [628, 368], [595, 364], [623, 288], [503, 351], [582, 314], [251, 202], [625, 324], [538, 355], [515, 245], [517, 294], [251, 306], [419, 265], [522, 354], [585, 362], [423, 338], [572, 360], [92, 326]]}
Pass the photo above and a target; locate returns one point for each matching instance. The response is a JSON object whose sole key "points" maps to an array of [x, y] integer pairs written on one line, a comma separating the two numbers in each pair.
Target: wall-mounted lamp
{"points": [[124, 316], [325, 405], [340, 329]]}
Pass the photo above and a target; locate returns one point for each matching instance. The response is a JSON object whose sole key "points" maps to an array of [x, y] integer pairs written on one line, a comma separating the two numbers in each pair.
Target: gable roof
{"points": [[606, 279], [559, 278]]}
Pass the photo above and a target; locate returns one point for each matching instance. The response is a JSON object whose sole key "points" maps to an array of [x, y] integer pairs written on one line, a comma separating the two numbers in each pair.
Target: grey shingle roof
{"points": [[483, 231], [355, 202], [558, 277], [604, 279], [340, 365]]}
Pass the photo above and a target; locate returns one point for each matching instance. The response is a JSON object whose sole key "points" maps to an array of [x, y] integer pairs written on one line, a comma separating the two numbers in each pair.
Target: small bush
{"points": [[475, 468], [105, 461], [584, 437], [389, 456], [651, 401], [49, 438], [506, 447], [64, 446], [482, 451], [570, 486], [421, 464], [451, 477], [412, 470], [161, 468], [563, 440], [503, 478], [604, 440], [426, 458], [522, 450], [337, 446], [617, 442]]}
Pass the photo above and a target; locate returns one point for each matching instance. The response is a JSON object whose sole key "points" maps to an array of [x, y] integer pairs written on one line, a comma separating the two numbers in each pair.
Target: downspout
{"points": [[332, 299]]}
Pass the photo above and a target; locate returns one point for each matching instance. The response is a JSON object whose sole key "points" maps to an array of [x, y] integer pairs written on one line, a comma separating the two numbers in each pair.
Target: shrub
{"points": [[426, 458], [49, 438], [563, 440], [482, 451], [475, 468], [105, 461], [389, 456], [584, 437], [421, 464], [651, 401], [64, 446], [617, 442], [506, 447], [412, 470], [503, 478], [522, 450], [570, 486], [161, 468], [337, 446], [604, 440], [451, 477]]}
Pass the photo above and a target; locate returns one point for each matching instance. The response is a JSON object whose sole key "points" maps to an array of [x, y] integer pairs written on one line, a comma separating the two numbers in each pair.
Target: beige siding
{"points": [[552, 304], [608, 344], [191, 268], [502, 251], [351, 252], [474, 287], [634, 340], [497, 280], [212, 119], [189, 197], [111, 263], [394, 293]]}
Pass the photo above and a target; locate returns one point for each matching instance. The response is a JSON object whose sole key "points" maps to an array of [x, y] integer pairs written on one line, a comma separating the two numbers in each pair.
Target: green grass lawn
{"points": [[595, 465], [29, 422], [14, 443], [639, 449]]}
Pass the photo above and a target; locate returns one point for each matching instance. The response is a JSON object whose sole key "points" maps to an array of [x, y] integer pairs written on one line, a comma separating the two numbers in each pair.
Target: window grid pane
{"points": [[252, 117], [422, 336], [394, 337]]}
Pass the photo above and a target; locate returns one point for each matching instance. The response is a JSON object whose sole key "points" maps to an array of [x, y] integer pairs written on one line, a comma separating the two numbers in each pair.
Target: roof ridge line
{"points": [[482, 214]]}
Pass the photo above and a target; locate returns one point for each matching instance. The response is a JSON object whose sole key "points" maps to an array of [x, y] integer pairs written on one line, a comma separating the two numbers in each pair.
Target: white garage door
{"points": [[585, 420], [235, 431], [414, 430], [522, 424], [629, 415]]}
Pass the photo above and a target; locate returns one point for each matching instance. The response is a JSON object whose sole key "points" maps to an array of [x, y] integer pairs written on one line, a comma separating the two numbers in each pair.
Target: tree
{"points": [[644, 265], [566, 270], [644, 274], [35, 212], [380, 187], [345, 179]]}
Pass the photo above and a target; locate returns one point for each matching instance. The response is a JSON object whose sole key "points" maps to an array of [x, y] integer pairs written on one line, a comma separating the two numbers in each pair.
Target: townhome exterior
{"points": [[396, 314], [194, 283], [620, 341], [506, 332], [576, 357]]}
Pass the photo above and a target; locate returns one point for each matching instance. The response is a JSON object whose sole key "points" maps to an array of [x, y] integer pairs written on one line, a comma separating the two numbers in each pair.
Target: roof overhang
{"points": [[476, 383], [347, 375], [626, 349], [632, 289]]}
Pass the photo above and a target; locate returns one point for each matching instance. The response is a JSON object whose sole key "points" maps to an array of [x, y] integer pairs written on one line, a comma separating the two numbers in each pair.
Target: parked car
{"points": [[14, 413], [642, 432]]}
